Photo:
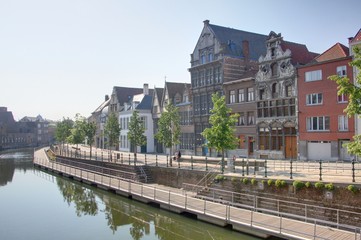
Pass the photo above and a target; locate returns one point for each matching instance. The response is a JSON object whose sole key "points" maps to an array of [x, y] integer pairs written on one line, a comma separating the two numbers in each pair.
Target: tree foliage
{"points": [[136, 132], [353, 91], [168, 127], [63, 130], [77, 135], [221, 133], [112, 130], [89, 129]]}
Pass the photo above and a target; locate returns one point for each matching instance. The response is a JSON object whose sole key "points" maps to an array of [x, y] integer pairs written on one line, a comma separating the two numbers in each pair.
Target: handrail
{"points": [[227, 213], [143, 173], [207, 176]]}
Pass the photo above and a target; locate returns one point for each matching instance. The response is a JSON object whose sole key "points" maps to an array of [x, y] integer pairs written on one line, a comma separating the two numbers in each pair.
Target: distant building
{"points": [[323, 125], [28, 132], [142, 103], [99, 117]]}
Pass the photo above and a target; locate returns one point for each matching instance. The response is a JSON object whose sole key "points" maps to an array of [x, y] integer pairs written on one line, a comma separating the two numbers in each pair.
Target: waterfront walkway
{"points": [[181, 201]]}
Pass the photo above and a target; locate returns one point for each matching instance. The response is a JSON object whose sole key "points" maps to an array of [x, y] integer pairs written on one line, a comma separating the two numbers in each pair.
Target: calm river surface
{"points": [[38, 205]]}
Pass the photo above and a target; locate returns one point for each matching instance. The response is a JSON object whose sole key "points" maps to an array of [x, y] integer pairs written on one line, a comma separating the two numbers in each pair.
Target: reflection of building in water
{"points": [[28, 132], [7, 169]]}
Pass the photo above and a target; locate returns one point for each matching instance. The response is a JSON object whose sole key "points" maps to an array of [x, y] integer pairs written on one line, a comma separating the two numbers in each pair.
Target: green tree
{"points": [[77, 135], [89, 129], [353, 91], [221, 133], [63, 131], [136, 133], [168, 128], [112, 131]]}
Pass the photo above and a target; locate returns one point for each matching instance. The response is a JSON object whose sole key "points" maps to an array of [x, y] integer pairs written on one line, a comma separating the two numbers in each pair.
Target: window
{"points": [[314, 99], [262, 94], [241, 119], [318, 123], [313, 76], [274, 68], [232, 96], [250, 92], [144, 122], [250, 118], [210, 57], [342, 123], [203, 59], [241, 95], [341, 71], [342, 98], [274, 90], [288, 91]]}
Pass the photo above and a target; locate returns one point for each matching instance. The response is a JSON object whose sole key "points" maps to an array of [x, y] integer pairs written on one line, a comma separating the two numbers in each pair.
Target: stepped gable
{"points": [[335, 52], [232, 40]]}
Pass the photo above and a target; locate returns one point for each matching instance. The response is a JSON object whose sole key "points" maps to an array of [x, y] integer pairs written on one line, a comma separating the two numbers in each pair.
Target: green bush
{"points": [[233, 179], [245, 180], [220, 178], [319, 185], [308, 184], [329, 187], [280, 183], [298, 184], [270, 182], [254, 181], [352, 188]]}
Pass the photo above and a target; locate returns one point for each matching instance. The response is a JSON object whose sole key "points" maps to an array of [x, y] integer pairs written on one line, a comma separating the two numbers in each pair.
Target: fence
{"points": [[278, 223]]}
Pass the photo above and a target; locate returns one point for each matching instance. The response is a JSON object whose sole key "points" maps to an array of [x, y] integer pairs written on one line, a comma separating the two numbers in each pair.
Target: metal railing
{"points": [[279, 224]]}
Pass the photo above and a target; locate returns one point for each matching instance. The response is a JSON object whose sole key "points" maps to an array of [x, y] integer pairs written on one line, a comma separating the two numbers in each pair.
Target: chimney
{"points": [[245, 50], [206, 22], [145, 89], [106, 97]]}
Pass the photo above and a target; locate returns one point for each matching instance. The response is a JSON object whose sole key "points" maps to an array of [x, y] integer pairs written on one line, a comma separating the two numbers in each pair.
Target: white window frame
{"points": [[342, 98], [314, 99], [322, 124], [250, 94], [313, 76], [232, 96], [342, 123], [341, 71], [241, 95]]}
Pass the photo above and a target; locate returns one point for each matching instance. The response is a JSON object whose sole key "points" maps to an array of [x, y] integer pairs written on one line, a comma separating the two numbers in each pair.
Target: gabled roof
{"points": [[102, 106], [336, 51], [356, 38], [159, 94], [6, 118], [146, 103], [300, 53], [124, 94], [232, 40], [174, 88]]}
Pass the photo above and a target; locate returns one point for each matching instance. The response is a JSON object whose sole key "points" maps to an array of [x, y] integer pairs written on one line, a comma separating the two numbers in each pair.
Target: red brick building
{"points": [[323, 125]]}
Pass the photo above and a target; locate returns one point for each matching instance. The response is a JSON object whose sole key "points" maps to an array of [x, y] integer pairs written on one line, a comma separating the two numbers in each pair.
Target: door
{"points": [[291, 147], [250, 146]]}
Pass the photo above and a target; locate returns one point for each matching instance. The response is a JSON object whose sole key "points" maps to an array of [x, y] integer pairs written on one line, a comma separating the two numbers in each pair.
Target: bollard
{"points": [[320, 170], [206, 164], [242, 167], [145, 159], [353, 170], [129, 158], [265, 168], [291, 167], [178, 163], [247, 167], [192, 162], [156, 160], [121, 158], [96, 157], [255, 163], [102, 156], [167, 160]]}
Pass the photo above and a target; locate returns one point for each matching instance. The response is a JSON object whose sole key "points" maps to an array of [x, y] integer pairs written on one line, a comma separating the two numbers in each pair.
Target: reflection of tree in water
{"points": [[83, 199], [121, 213]]}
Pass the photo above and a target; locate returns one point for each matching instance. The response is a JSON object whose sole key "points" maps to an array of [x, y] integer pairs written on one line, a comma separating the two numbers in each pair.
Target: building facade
{"points": [[276, 98], [323, 125], [220, 55]]}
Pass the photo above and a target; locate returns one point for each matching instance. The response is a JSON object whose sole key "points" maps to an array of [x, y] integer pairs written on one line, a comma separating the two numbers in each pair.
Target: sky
{"points": [[61, 57]]}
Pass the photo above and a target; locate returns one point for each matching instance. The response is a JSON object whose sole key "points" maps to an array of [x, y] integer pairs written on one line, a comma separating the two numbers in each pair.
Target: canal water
{"points": [[38, 205]]}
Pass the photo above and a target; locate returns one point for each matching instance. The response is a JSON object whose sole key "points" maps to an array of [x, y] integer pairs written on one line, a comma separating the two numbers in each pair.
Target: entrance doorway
{"points": [[291, 147]]}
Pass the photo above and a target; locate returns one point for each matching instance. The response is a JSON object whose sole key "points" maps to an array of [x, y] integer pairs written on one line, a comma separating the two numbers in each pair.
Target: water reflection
{"points": [[12, 160], [141, 220]]}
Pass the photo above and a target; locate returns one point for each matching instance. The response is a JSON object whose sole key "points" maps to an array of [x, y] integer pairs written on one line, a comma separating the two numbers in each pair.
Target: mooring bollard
{"points": [[265, 168], [156, 160], [291, 168], [206, 164], [121, 158], [192, 162], [167, 160], [353, 170], [242, 167], [320, 170], [129, 158]]}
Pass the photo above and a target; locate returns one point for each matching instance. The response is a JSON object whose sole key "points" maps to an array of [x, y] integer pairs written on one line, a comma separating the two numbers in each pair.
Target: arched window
{"points": [[274, 68], [274, 90]]}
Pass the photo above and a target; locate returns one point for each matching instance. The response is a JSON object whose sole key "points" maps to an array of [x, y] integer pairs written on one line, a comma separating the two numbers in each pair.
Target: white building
{"points": [[141, 103]]}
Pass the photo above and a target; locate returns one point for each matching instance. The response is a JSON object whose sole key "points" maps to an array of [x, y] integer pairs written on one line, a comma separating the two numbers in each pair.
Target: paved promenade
{"points": [[179, 201]]}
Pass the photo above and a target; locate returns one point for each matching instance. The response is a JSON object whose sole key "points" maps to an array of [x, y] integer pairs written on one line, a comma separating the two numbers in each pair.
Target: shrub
{"points": [[352, 188], [270, 182], [245, 180], [319, 185], [329, 187], [254, 181], [233, 179], [308, 184], [298, 184], [220, 178], [280, 183]]}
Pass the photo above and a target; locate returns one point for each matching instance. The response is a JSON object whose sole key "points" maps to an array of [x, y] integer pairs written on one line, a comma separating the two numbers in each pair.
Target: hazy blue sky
{"points": [[60, 57]]}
